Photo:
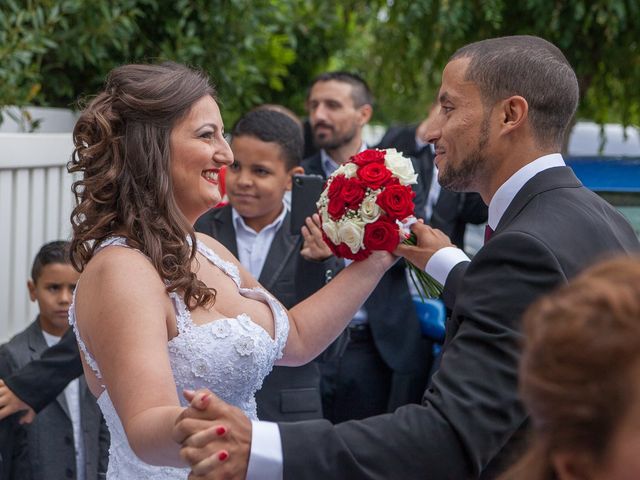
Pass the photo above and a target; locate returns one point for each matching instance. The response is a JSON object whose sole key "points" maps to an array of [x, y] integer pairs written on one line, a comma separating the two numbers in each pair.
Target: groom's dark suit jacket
{"points": [[471, 415], [288, 393], [394, 327], [452, 210]]}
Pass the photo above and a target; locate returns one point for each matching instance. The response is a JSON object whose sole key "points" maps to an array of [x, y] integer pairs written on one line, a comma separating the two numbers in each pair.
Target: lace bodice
{"points": [[229, 356]]}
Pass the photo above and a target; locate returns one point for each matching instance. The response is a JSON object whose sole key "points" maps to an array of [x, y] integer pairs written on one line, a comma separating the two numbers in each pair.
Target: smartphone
{"points": [[305, 192]]}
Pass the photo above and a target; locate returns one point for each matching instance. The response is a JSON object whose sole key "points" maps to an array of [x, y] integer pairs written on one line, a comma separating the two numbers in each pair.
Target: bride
{"points": [[159, 309]]}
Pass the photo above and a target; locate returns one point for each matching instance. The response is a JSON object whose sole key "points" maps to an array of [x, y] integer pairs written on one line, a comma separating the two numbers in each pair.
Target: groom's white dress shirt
{"points": [[265, 460]]}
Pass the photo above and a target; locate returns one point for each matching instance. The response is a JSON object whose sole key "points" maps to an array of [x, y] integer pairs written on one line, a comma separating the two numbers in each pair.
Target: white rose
{"points": [[347, 169], [401, 167], [331, 230], [322, 204], [351, 232], [369, 209]]}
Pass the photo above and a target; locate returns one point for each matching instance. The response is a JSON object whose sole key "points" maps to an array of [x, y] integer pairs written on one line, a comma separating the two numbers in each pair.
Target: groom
{"points": [[505, 105]]}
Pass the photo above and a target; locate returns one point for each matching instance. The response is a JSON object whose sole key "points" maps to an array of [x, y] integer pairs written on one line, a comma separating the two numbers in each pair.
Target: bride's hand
{"points": [[215, 437], [429, 241], [383, 258]]}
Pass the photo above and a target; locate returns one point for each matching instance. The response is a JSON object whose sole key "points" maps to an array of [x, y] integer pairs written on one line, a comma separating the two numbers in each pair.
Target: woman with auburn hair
{"points": [[580, 378], [159, 308]]}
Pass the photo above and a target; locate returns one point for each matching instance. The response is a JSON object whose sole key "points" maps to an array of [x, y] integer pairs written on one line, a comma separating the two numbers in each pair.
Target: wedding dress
{"points": [[229, 356]]}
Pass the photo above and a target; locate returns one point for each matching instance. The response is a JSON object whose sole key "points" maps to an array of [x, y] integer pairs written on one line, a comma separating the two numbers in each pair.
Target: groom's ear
{"points": [[514, 113]]}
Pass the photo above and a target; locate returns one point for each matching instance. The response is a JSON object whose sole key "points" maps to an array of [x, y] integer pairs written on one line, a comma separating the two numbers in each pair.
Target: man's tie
{"points": [[488, 231]]}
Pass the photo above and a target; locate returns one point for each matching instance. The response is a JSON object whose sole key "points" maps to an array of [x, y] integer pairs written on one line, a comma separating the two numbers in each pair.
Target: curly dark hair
{"points": [[122, 151]]}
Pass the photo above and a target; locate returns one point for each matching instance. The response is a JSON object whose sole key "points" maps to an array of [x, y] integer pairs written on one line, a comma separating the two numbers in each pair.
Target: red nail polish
{"points": [[221, 430], [222, 456]]}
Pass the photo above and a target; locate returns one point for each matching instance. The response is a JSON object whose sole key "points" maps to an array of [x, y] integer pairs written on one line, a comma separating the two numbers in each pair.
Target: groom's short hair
{"points": [[530, 67]]}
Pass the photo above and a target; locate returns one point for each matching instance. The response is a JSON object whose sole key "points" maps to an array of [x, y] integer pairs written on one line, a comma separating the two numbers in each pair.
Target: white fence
{"points": [[35, 206]]}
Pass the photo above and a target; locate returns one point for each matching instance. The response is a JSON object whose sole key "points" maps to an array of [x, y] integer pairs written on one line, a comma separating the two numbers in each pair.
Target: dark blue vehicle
{"points": [[609, 165]]}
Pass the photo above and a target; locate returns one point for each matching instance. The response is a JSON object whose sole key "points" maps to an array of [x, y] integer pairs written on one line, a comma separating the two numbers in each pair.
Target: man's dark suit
{"points": [[394, 327], [472, 418], [452, 210], [39, 382], [50, 436], [288, 393], [14, 453]]}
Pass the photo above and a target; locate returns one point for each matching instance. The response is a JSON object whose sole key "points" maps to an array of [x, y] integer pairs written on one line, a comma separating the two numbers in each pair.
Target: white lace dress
{"points": [[230, 356]]}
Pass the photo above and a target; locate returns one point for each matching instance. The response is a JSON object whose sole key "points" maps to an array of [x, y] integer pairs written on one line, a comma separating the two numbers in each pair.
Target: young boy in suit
{"points": [[255, 226], [68, 438]]}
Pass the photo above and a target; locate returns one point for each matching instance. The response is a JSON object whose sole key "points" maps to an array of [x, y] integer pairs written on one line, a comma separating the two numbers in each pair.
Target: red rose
{"points": [[343, 251], [336, 186], [368, 156], [374, 175], [391, 181], [397, 201], [336, 207], [332, 246], [381, 235], [352, 193]]}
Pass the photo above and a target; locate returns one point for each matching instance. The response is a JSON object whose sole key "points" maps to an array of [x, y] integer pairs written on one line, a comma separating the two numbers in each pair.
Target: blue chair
{"points": [[431, 314]]}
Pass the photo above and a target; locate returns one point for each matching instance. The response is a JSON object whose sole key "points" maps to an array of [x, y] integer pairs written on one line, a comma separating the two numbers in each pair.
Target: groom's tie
{"points": [[488, 231]]}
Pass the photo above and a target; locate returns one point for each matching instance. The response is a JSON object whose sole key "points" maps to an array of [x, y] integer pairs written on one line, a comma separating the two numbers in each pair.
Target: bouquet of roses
{"points": [[367, 205]]}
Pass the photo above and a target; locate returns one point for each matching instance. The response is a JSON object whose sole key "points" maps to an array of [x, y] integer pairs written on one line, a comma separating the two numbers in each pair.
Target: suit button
{"points": [[69, 473], [328, 276], [68, 440]]}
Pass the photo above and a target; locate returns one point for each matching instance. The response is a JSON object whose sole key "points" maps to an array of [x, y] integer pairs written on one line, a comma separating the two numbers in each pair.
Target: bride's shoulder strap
{"points": [[227, 267]]}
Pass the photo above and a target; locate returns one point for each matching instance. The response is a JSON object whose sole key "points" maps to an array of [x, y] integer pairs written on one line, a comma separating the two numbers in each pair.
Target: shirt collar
{"points": [[50, 339], [508, 190], [239, 222], [329, 165]]}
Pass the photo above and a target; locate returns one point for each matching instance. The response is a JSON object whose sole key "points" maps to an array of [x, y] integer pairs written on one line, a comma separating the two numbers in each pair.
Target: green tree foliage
{"points": [[601, 39], [54, 51]]}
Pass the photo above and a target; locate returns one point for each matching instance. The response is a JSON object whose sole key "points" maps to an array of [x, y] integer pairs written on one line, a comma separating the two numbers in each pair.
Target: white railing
{"points": [[35, 206]]}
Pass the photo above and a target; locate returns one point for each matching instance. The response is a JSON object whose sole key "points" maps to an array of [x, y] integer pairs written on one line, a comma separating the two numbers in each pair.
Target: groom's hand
{"points": [[429, 241], [215, 437]]}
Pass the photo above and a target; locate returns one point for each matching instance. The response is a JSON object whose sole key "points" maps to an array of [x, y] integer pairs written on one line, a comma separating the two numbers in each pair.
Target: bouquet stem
{"points": [[426, 285]]}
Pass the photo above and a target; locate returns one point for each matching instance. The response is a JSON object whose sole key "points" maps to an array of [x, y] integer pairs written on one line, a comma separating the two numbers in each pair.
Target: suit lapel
{"points": [[224, 230], [313, 165], [283, 246], [36, 341], [550, 179]]}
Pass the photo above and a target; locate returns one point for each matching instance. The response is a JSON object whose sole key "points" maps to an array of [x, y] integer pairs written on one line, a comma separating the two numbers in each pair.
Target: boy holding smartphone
{"points": [[267, 145]]}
